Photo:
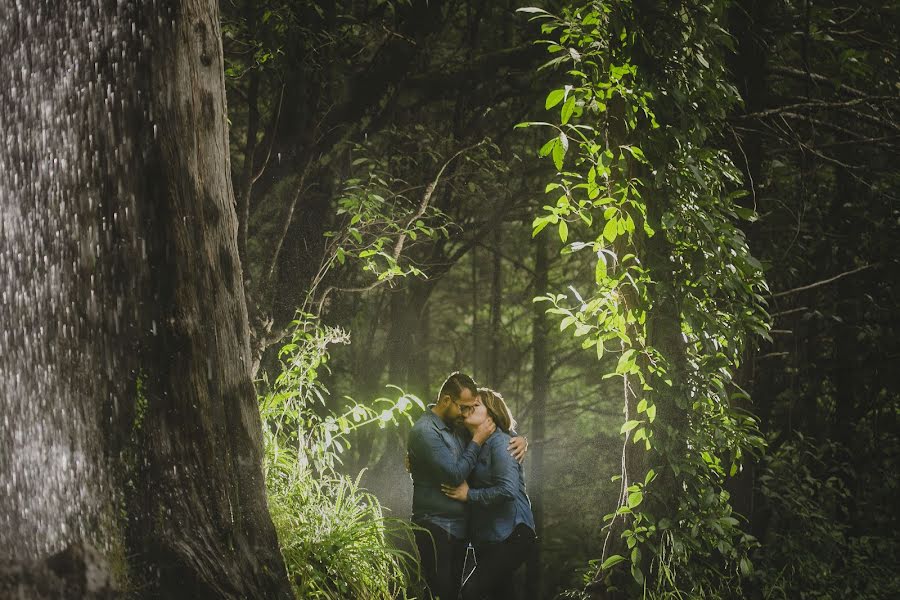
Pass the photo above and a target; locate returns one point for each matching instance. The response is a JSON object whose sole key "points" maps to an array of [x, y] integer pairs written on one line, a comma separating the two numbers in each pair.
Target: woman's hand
{"points": [[518, 446], [460, 492]]}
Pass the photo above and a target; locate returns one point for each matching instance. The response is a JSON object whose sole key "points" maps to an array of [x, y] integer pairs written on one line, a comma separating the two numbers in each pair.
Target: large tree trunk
{"points": [[130, 334]]}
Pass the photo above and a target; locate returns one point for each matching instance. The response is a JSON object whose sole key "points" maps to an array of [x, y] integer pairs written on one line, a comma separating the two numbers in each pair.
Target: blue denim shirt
{"points": [[437, 454], [497, 495]]}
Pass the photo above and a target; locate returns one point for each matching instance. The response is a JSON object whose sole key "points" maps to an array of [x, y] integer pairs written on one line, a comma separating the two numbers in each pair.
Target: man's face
{"points": [[463, 407]]}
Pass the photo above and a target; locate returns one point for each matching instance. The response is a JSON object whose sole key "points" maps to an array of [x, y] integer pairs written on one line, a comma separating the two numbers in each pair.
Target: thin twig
{"points": [[789, 312], [823, 282]]}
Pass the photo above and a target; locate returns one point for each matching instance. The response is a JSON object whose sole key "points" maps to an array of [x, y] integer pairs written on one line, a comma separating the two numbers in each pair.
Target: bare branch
{"points": [[823, 282], [426, 198], [821, 104], [802, 74]]}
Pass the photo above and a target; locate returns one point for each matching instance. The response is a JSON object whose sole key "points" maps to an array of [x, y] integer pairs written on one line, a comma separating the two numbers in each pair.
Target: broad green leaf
{"points": [[548, 147], [563, 231], [637, 574], [651, 412], [539, 224], [558, 154], [568, 108], [612, 561], [628, 426], [634, 499], [600, 270], [610, 230], [554, 98]]}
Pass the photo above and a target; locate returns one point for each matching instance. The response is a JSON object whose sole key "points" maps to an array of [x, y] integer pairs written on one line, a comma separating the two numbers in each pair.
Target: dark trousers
{"points": [[442, 557], [497, 562]]}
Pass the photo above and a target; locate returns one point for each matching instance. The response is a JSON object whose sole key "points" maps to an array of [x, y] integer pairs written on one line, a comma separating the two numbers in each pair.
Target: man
{"points": [[440, 453]]}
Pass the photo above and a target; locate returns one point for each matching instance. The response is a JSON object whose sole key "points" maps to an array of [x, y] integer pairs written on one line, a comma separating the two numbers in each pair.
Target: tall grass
{"points": [[336, 542]]}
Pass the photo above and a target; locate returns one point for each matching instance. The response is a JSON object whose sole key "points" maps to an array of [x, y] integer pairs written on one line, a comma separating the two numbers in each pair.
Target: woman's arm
{"points": [[504, 478]]}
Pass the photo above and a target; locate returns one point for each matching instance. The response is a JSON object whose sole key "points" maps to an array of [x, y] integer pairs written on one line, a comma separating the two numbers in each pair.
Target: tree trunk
{"points": [[540, 388], [493, 363], [119, 229]]}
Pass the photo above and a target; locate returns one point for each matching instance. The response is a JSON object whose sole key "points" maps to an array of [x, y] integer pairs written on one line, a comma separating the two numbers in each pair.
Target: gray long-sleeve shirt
{"points": [[498, 500], [438, 455]]}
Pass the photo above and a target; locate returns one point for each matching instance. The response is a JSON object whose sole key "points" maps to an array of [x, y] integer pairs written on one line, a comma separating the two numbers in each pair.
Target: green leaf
{"points": [[600, 270], [548, 147], [628, 426], [637, 574], [563, 231], [554, 98], [568, 108], [635, 499], [610, 230], [642, 405], [746, 566], [558, 154], [566, 322], [599, 349], [651, 412], [612, 561], [539, 224]]}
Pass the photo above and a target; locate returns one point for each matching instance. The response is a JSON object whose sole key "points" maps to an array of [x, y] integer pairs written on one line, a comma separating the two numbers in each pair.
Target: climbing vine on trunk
{"points": [[644, 184]]}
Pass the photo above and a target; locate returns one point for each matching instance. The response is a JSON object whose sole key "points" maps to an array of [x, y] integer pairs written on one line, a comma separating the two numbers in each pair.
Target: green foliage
{"points": [[811, 551], [641, 188], [379, 219], [336, 542]]}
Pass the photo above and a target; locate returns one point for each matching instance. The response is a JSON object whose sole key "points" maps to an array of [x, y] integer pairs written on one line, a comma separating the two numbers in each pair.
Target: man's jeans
{"points": [[497, 562], [442, 557]]}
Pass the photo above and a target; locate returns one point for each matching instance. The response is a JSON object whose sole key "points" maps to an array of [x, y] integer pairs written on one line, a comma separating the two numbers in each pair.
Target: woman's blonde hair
{"points": [[497, 409]]}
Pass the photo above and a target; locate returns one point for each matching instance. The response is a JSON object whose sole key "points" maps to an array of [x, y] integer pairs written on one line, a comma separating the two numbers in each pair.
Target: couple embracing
{"points": [[468, 486]]}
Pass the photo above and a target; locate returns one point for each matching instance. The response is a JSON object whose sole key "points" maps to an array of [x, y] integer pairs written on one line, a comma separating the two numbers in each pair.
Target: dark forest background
{"points": [[404, 112], [243, 242]]}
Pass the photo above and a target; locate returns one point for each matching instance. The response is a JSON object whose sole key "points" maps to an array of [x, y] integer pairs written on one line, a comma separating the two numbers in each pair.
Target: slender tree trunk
{"points": [[540, 389], [493, 370], [474, 360], [146, 332]]}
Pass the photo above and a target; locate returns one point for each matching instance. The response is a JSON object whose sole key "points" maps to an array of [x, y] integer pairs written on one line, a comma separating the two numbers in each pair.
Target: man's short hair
{"points": [[455, 384]]}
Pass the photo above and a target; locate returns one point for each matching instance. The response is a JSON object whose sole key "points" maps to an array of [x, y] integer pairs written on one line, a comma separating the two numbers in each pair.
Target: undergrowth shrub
{"points": [[336, 542]]}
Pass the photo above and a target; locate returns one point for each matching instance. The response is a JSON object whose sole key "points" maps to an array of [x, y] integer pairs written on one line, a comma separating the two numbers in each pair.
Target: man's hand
{"points": [[460, 492], [484, 431], [518, 446]]}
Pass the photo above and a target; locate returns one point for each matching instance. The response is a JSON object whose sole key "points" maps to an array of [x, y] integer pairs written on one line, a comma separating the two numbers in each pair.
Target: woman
{"points": [[501, 522]]}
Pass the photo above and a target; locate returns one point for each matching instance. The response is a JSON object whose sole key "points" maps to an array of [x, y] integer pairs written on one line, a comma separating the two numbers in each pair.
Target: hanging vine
{"points": [[644, 184]]}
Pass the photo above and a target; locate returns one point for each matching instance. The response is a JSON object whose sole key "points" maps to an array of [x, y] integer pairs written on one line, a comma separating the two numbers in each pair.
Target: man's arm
{"points": [[427, 447]]}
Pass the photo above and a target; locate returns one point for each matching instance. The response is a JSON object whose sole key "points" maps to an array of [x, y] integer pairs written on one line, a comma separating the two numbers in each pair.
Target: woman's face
{"points": [[476, 415]]}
